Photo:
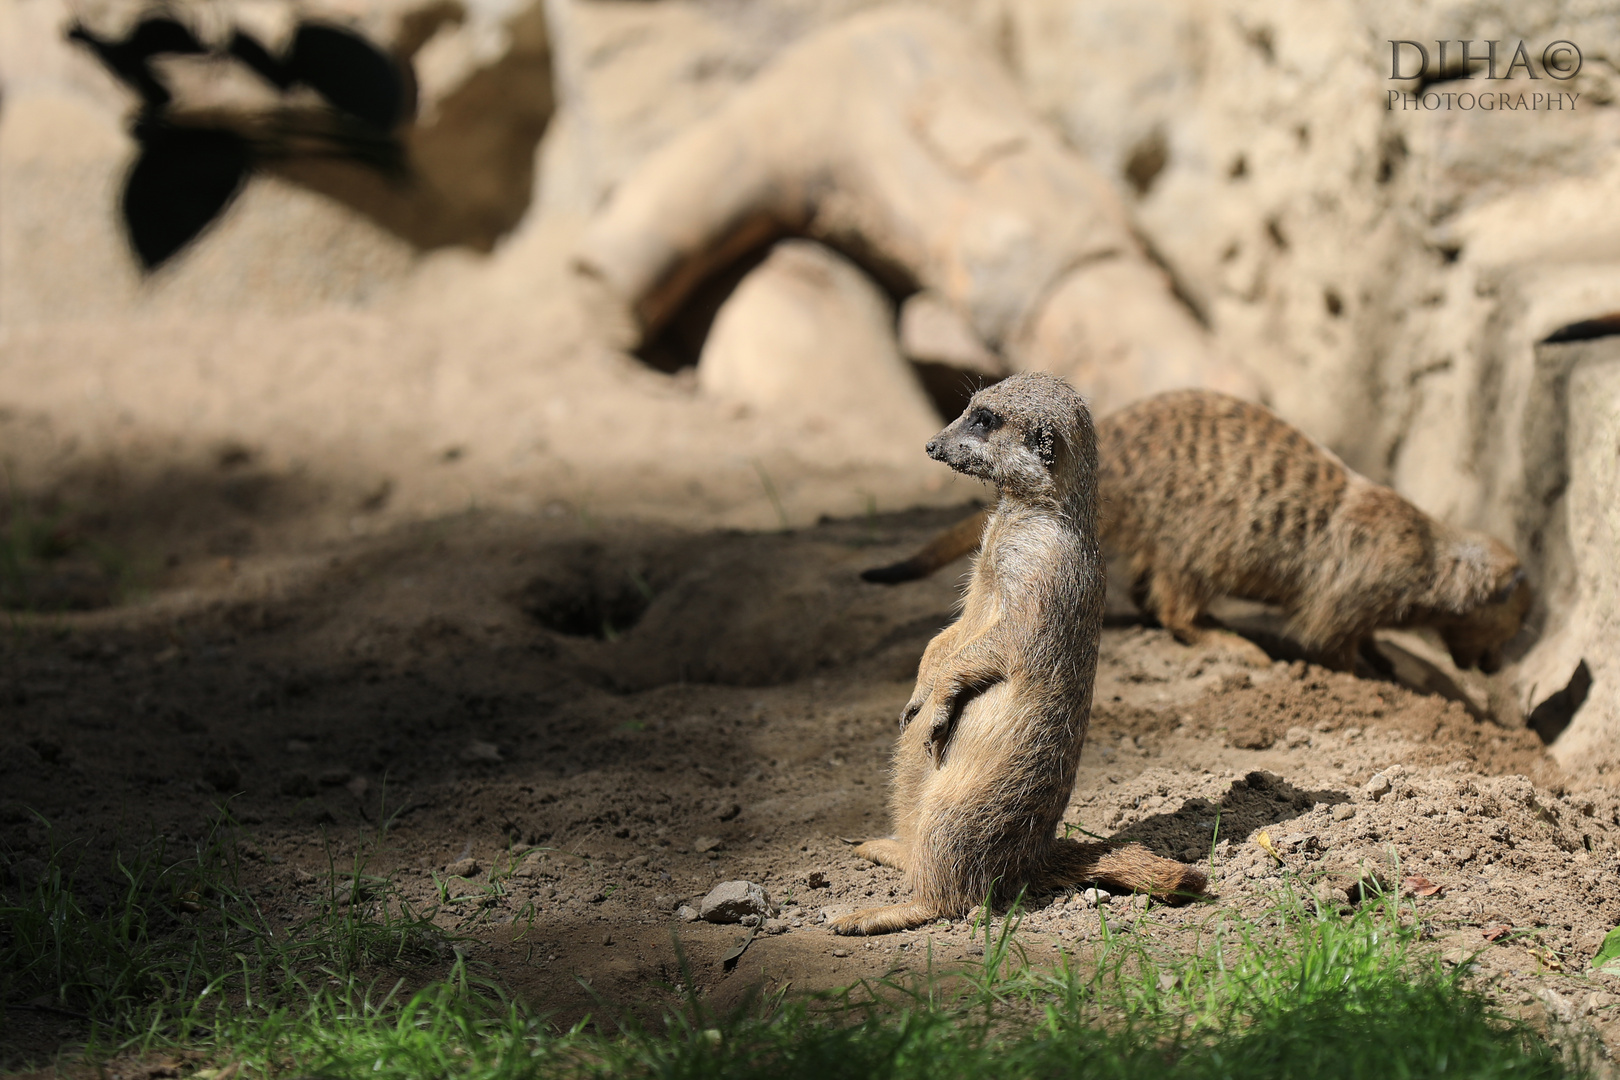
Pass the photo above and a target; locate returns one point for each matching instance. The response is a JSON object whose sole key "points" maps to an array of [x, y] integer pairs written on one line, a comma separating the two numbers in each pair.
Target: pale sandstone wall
{"points": [[1387, 276]]}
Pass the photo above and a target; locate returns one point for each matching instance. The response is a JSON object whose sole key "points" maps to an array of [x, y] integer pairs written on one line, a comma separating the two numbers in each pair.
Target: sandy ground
{"points": [[658, 710]]}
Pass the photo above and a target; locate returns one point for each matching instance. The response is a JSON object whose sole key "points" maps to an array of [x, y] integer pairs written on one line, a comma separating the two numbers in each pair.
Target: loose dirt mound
{"points": [[607, 720]]}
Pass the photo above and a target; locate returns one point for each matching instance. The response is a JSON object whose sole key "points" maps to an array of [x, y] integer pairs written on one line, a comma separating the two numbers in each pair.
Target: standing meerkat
{"points": [[990, 740], [1208, 496]]}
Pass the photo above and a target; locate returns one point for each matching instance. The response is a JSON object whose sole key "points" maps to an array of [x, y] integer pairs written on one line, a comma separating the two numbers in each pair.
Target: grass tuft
{"points": [[182, 958], [158, 948]]}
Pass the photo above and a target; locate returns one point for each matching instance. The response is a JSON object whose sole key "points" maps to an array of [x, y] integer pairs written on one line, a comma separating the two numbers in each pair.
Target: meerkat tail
{"points": [[942, 550], [883, 920], [1131, 868], [884, 852]]}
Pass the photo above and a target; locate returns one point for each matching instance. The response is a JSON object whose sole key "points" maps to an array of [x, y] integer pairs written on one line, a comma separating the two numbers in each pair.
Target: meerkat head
{"points": [[1483, 598], [1030, 435]]}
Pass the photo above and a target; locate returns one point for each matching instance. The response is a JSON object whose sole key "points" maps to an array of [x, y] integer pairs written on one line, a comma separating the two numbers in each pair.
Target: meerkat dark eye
{"points": [[982, 421]]}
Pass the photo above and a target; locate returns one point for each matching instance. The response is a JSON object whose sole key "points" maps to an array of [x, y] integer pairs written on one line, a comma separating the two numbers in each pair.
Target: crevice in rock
{"points": [[676, 342], [1146, 160], [1549, 719], [1599, 326]]}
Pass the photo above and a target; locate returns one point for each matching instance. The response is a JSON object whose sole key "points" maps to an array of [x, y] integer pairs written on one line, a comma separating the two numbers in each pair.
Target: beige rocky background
{"points": [[550, 320]]}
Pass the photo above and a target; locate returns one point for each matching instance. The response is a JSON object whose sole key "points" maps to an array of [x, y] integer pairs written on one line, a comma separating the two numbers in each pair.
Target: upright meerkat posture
{"points": [[1212, 496], [991, 738]]}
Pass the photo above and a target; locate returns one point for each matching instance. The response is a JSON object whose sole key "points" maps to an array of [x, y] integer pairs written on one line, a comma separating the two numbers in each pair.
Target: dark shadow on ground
{"points": [[111, 530], [1255, 801]]}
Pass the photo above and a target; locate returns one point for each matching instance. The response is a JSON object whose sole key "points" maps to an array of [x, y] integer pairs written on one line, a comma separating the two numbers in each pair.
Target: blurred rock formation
{"points": [[896, 137], [1136, 193]]}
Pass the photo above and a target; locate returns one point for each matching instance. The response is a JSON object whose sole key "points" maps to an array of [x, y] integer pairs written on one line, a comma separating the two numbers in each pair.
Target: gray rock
{"points": [[1096, 897], [686, 913], [732, 901], [1558, 1006]]}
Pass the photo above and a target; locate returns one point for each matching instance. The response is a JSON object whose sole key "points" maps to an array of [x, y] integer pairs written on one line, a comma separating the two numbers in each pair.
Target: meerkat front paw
{"points": [[882, 920], [940, 728], [886, 850], [914, 706], [1239, 648]]}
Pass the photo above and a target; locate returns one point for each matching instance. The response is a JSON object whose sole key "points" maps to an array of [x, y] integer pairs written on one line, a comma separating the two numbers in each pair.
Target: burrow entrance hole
{"points": [[588, 605]]}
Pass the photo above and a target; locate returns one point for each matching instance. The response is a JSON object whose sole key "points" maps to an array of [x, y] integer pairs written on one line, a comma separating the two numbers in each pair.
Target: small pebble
{"points": [[732, 901], [480, 751]]}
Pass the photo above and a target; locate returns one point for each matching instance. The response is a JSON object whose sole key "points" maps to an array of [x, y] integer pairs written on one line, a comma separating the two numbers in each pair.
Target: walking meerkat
{"points": [[990, 740], [1208, 495]]}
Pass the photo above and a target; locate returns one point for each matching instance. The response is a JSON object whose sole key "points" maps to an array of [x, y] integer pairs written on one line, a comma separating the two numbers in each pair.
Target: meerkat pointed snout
{"points": [[990, 740], [963, 445]]}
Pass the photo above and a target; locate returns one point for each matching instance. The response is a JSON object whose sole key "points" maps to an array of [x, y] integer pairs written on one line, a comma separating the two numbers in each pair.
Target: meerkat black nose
{"points": [[933, 449]]}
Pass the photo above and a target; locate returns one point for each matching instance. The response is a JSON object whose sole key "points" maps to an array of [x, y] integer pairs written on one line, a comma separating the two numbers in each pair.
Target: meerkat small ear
{"points": [[1043, 440], [1500, 596]]}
